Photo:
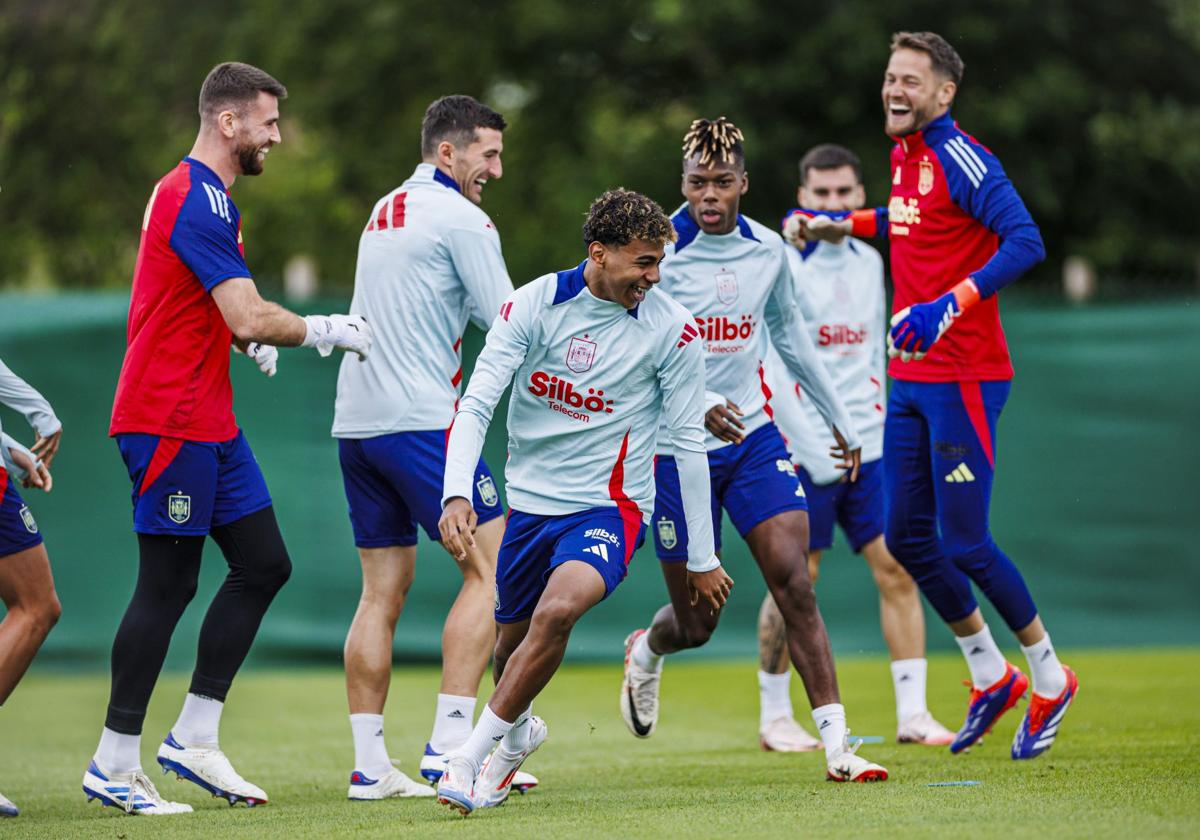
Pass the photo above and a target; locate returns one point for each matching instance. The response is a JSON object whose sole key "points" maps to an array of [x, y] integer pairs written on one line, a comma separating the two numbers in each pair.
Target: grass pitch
{"points": [[1125, 764]]}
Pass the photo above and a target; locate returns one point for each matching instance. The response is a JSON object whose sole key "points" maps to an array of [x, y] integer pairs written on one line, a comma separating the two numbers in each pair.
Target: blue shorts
{"points": [[856, 506], [534, 546], [752, 481], [394, 483], [18, 528], [189, 487]]}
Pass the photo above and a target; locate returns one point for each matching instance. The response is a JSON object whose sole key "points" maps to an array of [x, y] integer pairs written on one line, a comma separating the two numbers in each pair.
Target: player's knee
{"points": [[893, 581], [797, 596], [971, 552], [554, 618], [272, 572], [696, 633]]}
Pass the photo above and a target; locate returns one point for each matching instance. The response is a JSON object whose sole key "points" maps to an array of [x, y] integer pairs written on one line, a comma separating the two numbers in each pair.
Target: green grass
{"points": [[1125, 764]]}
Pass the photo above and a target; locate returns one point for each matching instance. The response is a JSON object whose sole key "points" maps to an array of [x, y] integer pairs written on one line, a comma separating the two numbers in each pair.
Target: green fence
{"points": [[1096, 496]]}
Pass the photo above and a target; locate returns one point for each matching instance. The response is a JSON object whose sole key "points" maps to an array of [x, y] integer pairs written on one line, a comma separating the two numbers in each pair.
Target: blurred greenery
{"points": [[1094, 107]]}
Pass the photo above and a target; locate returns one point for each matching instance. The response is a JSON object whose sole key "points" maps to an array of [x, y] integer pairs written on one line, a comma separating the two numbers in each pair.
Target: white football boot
{"points": [[210, 769], [132, 792], [639, 693], [785, 734], [500, 769], [922, 728], [846, 766], [456, 787], [7, 807], [394, 785], [434, 763]]}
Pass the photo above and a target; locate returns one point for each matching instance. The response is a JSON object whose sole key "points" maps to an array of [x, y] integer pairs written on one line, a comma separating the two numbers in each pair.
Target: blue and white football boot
{"points": [[433, 763], [133, 793], [8, 808], [1039, 727], [456, 786], [392, 785], [498, 774], [987, 705], [210, 769]]}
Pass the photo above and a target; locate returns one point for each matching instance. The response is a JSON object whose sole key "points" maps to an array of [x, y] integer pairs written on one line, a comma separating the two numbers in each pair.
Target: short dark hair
{"points": [[829, 156], [620, 216], [455, 118], [944, 58], [234, 83]]}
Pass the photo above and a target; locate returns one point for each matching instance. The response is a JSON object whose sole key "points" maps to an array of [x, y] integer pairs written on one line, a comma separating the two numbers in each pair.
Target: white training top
{"points": [[428, 261], [734, 284], [591, 382], [23, 398], [840, 292]]}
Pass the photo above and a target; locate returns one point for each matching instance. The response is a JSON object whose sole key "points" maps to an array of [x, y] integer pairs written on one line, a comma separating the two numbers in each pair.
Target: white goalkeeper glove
{"points": [[344, 332], [264, 355]]}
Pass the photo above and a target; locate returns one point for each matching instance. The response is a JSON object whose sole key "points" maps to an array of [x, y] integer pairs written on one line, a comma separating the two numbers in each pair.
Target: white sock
{"points": [[985, 660], [488, 732], [119, 753], [908, 678], [198, 721], [452, 722], [831, 727], [643, 656], [370, 752], [774, 697], [1049, 679], [517, 739]]}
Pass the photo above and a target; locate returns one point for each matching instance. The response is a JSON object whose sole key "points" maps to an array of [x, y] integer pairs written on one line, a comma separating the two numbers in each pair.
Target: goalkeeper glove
{"points": [[344, 332], [264, 355], [916, 328]]}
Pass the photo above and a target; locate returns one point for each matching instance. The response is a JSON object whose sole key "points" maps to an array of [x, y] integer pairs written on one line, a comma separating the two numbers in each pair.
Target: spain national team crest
{"points": [[179, 508], [580, 355], [727, 287], [666, 533], [28, 520], [925, 177], [487, 490]]}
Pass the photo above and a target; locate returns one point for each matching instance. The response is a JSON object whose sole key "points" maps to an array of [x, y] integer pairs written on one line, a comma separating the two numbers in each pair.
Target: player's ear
{"points": [[597, 253], [445, 153], [225, 123], [800, 196], [946, 93], [745, 183], [859, 197]]}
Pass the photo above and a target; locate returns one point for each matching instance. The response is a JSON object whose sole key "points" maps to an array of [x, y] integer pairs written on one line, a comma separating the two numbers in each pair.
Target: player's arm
{"points": [[477, 259], [978, 184], [803, 225], [789, 334], [681, 377], [24, 465], [505, 349], [22, 397]]}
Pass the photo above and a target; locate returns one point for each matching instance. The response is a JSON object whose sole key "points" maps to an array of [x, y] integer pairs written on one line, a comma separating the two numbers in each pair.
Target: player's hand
{"points": [[45, 448], [457, 527], [264, 355], [816, 229], [37, 474], [847, 458], [793, 229], [723, 422], [351, 333], [915, 328], [712, 586]]}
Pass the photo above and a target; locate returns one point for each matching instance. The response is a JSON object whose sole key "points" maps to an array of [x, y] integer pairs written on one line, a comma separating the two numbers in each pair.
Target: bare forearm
{"points": [[270, 323]]}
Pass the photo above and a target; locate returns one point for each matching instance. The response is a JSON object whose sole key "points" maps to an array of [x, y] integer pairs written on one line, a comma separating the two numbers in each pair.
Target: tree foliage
{"points": [[1094, 107]]}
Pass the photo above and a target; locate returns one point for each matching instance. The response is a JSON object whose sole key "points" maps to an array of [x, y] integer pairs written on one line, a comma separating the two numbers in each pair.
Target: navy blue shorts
{"points": [[752, 481], [18, 528], [394, 483], [534, 546], [856, 506], [189, 487]]}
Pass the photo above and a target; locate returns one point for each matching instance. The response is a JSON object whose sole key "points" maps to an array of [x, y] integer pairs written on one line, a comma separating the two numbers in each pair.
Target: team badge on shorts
{"points": [[487, 490], [28, 520], [666, 533], [785, 466], [727, 287], [580, 355], [179, 508], [925, 178]]}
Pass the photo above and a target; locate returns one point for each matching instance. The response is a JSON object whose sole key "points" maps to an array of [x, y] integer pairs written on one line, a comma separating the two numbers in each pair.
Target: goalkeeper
{"points": [[959, 233]]}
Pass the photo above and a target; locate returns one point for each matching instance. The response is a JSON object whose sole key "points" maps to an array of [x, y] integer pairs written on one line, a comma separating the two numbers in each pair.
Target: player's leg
{"points": [[967, 414], [245, 529], [26, 588], [778, 728]]}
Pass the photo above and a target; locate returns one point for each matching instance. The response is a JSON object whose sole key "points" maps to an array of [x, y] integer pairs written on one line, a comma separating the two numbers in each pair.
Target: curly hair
{"points": [[620, 216], [711, 139]]}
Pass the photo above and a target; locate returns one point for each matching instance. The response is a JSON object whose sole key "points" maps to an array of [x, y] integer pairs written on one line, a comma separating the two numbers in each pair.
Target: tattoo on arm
{"points": [[772, 638]]}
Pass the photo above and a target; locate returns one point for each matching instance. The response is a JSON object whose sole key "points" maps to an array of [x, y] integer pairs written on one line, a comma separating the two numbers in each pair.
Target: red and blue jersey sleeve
{"points": [[977, 183], [206, 233]]}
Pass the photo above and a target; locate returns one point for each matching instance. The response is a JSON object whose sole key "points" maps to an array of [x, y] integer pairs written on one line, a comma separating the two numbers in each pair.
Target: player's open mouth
{"points": [[897, 110], [639, 292], [262, 153], [479, 182], [710, 217]]}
